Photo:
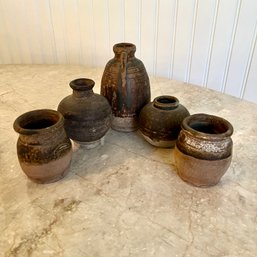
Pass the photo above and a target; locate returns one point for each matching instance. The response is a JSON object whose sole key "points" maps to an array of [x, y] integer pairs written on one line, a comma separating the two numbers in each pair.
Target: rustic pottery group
{"points": [[202, 143]]}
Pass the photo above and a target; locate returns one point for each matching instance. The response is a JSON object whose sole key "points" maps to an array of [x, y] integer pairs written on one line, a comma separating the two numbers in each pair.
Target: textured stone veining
{"points": [[124, 198]]}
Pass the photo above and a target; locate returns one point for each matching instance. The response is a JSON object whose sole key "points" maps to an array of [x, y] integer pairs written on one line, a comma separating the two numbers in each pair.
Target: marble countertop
{"points": [[124, 198]]}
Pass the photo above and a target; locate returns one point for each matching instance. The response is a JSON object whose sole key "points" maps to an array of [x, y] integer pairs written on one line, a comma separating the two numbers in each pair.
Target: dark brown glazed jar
{"points": [[43, 148], [126, 85], [203, 151], [87, 115], [160, 120]]}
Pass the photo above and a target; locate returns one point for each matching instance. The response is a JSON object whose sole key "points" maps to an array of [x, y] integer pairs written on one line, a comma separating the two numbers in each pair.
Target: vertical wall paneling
{"points": [[221, 41], [156, 36], [190, 51], [201, 43], [87, 40], [174, 31], [72, 32], [116, 22], [45, 31], [132, 23], [249, 91], [22, 30], [210, 43], [5, 53], [58, 21], [148, 34], [164, 38], [183, 36], [208, 60], [102, 51], [242, 44], [252, 83], [10, 36], [224, 79]]}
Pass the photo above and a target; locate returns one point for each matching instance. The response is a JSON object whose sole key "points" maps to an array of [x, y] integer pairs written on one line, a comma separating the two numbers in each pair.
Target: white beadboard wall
{"points": [[211, 43]]}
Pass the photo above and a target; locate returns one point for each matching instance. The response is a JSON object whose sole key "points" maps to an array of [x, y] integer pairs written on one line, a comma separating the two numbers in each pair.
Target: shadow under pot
{"points": [[160, 121], [43, 148], [203, 150], [87, 115]]}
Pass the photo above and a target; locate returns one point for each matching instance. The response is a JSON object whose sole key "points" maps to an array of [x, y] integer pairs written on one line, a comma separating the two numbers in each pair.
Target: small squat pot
{"points": [[43, 148], [203, 150], [87, 115], [160, 121]]}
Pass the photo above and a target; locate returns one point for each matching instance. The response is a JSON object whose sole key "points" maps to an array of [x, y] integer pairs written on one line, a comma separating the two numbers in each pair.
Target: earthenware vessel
{"points": [[87, 114], [160, 121], [43, 148], [203, 150], [126, 85]]}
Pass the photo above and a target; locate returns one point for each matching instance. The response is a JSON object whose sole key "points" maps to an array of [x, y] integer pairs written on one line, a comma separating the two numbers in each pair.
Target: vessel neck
{"points": [[82, 87], [124, 48], [81, 94], [166, 102]]}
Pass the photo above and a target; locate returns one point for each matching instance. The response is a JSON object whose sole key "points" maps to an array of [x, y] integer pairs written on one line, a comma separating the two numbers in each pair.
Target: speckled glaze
{"points": [[43, 148], [203, 150], [87, 114], [126, 85], [160, 121]]}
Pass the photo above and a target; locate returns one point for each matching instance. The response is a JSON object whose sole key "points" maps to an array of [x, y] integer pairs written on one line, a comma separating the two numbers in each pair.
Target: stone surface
{"points": [[124, 198]]}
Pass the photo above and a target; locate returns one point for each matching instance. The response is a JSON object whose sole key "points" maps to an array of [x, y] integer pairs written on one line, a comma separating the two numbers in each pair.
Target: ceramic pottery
{"points": [[87, 115], [125, 84], [203, 150], [43, 148], [160, 121]]}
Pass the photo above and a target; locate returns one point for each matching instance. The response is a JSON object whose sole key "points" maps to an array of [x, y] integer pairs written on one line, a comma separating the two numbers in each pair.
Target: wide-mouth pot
{"points": [[207, 126], [38, 121]]}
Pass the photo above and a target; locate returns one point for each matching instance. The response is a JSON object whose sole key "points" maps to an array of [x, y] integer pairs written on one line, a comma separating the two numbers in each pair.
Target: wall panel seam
{"points": [[93, 33], [52, 32], [173, 40], [139, 25], [231, 44], [191, 45], [208, 61], [108, 27], [249, 62], [156, 37]]}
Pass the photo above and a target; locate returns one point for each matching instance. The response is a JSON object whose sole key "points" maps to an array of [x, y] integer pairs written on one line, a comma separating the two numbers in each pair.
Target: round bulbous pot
{"points": [[87, 115], [43, 148], [203, 151], [160, 121], [125, 84]]}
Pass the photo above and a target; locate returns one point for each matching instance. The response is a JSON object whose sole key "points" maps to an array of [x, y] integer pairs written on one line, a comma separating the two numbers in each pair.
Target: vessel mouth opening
{"points": [[209, 128], [166, 100], [82, 84], [33, 121], [208, 124], [124, 45], [39, 124]]}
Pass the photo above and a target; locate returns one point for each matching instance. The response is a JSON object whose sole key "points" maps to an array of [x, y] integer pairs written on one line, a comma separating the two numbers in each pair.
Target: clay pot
{"points": [[203, 150], [43, 148], [125, 84], [87, 115], [160, 120]]}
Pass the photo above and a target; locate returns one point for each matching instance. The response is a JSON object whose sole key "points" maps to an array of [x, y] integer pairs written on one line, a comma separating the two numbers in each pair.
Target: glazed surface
{"points": [[124, 198]]}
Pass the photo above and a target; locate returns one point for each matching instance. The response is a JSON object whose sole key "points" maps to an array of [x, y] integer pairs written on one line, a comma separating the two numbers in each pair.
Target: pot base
{"points": [[49, 172], [90, 145], [126, 124], [160, 143], [198, 172]]}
